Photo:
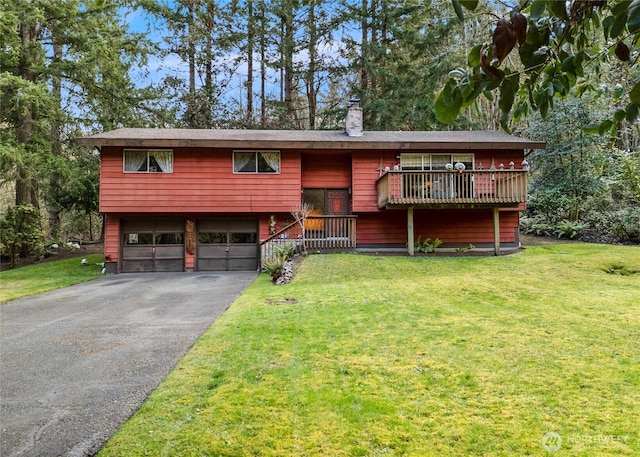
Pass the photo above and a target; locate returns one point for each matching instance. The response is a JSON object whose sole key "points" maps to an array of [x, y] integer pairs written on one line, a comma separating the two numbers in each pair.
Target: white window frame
{"points": [[149, 153], [427, 162], [256, 152]]}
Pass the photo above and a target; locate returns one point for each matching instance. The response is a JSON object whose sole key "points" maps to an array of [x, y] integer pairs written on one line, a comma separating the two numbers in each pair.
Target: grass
{"points": [[38, 278], [367, 356]]}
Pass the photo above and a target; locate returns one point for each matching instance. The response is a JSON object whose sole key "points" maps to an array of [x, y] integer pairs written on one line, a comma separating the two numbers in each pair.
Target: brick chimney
{"points": [[353, 124]]}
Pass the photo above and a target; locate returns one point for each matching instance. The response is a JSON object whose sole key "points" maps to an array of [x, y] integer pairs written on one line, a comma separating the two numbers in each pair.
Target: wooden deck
{"points": [[442, 189]]}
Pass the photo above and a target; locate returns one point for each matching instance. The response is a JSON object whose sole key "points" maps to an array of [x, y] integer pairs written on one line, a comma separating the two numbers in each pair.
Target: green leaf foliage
{"points": [[557, 9], [634, 93], [563, 49], [634, 17], [449, 102], [632, 113], [471, 5], [537, 8], [20, 232], [457, 6], [589, 180], [474, 56]]}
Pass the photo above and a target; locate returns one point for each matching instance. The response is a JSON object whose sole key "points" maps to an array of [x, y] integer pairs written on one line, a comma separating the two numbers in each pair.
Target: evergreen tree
{"points": [[65, 66]]}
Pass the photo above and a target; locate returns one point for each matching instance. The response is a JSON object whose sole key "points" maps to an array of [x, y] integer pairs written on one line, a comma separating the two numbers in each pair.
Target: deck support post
{"points": [[410, 230], [496, 230]]}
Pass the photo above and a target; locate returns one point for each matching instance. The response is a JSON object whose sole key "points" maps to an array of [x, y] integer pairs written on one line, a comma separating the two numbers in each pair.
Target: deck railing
{"points": [[451, 187], [322, 233]]}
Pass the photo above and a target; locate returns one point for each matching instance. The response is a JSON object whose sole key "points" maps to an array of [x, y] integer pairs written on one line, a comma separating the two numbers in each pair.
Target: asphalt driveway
{"points": [[77, 362]]}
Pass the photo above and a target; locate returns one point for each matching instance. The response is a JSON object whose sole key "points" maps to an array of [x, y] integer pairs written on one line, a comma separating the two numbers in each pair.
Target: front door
{"points": [[337, 202]]}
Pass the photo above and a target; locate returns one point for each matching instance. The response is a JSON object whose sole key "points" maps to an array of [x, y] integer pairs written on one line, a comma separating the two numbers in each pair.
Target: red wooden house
{"points": [[178, 199]]}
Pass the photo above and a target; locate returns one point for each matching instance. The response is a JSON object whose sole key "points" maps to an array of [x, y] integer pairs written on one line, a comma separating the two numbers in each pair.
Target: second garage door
{"points": [[227, 244]]}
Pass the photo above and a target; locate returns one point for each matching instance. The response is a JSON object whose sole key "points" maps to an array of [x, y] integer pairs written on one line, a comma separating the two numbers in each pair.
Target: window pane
{"points": [[243, 238], [161, 161], [244, 162], [135, 160], [212, 238], [269, 162], [315, 197], [256, 161], [411, 161], [153, 165], [466, 159], [438, 161], [169, 238], [138, 238], [154, 161]]}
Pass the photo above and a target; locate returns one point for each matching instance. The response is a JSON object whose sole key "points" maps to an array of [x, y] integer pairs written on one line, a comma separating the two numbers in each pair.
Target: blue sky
{"points": [[158, 68]]}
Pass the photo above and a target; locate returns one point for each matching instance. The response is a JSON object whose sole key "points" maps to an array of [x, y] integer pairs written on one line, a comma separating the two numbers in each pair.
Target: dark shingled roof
{"points": [[308, 139]]}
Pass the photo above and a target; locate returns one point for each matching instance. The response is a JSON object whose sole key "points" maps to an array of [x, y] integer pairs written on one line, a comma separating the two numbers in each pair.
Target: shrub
{"points": [[285, 250], [426, 245], [21, 232], [629, 229], [570, 229], [552, 205], [464, 249], [275, 266], [614, 225], [536, 225]]}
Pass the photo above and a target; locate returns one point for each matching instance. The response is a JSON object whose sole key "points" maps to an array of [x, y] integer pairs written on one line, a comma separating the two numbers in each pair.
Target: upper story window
{"points": [[434, 162], [256, 161], [148, 161]]}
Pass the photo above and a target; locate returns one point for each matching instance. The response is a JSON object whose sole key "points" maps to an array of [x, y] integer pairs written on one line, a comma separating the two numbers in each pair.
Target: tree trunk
{"points": [[208, 78], [364, 46], [251, 24], [287, 50], [26, 186], [311, 73], [191, 63], [55, 213], [263, 66], [191, 50]]}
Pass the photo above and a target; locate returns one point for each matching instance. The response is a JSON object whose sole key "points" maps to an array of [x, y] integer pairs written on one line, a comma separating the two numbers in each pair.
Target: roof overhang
{"points": [[308, 139]]}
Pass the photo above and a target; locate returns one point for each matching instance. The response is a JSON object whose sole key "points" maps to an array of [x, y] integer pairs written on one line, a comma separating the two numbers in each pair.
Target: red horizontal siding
{"points": [[451, 226], [111, 238], [282, 220], [384, 227], [465, 226], [365, 174], [202, 181], [326, 171]]}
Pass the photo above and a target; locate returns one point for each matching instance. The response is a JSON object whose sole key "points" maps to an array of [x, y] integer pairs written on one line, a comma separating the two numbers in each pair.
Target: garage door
{"points": [[227, 244], [152, 245]]}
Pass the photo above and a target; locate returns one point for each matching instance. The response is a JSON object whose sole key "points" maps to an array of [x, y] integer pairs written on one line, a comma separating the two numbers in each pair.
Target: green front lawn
{"points": [[368, 356], [41, 277]]}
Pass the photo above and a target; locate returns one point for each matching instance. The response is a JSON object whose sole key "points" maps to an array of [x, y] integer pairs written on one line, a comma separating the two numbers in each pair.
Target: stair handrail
{"points": [[278, 233]]}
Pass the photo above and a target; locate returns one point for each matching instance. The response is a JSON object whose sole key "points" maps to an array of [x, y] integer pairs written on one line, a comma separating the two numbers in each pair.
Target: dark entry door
{"points": [[152, 245], [227, 244], [337, 202]]}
